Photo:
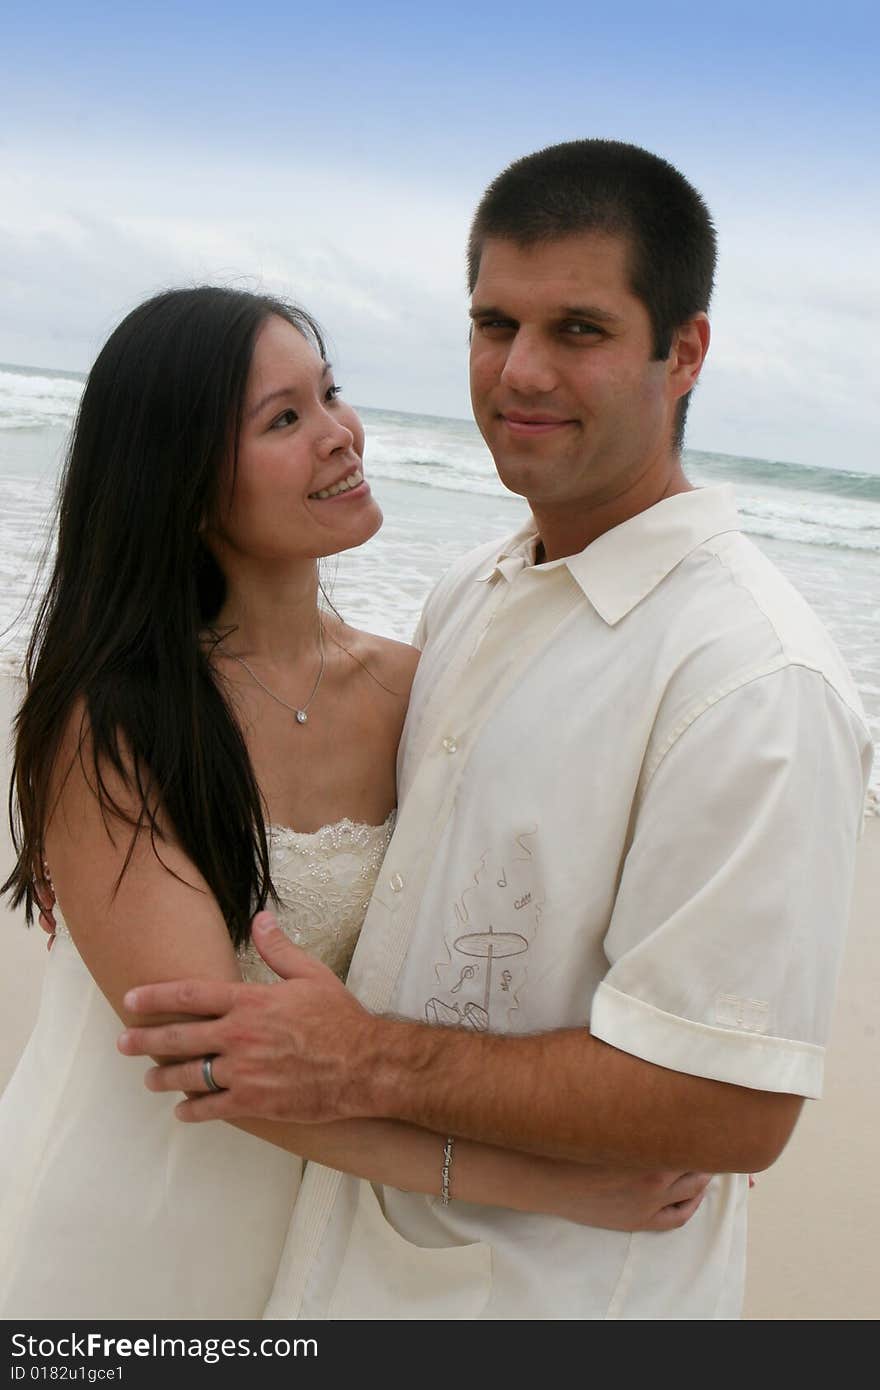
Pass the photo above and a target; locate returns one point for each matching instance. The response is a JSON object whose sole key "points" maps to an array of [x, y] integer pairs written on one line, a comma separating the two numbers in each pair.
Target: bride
{"points": [[201, 737]]}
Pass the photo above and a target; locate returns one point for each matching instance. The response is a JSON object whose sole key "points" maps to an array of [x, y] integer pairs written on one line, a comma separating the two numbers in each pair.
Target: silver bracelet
{"points": [[448, 1151]]}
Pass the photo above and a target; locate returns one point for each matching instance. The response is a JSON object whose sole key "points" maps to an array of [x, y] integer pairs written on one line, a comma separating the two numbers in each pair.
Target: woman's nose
{"points": [[335, 436]]}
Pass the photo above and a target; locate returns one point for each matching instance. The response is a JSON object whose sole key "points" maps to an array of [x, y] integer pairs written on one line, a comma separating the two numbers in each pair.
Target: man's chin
{"points": [[525, 482], [520, 489]]}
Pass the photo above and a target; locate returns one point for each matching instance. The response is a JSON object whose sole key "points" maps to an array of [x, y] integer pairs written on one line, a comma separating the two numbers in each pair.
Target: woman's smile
{"points": [[351, 484]]}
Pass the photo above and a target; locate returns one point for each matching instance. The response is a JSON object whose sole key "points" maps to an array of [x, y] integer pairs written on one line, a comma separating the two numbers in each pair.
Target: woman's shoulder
{"points": [[393, 664], [100, 770]]}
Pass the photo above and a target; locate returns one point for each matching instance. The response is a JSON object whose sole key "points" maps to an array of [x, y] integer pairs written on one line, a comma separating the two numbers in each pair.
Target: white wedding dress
{"points": [[109, 1206]]}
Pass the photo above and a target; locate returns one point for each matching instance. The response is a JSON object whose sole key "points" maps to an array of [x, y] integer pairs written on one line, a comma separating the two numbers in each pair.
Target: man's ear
{"points": [[690, 343]]}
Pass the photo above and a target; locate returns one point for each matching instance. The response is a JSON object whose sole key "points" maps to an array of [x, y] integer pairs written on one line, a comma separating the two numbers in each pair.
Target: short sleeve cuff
{"points": [[720, 1054]]}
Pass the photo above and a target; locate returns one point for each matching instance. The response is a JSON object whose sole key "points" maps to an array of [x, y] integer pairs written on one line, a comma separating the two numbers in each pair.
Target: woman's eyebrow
{"points": [[284, 391]]}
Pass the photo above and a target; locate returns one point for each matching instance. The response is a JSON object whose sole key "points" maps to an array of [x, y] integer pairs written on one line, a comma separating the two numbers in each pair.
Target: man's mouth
{"points": [[346, 484], [520, 423]]}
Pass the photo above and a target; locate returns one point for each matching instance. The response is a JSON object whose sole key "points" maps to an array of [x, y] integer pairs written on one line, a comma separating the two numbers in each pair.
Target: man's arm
{"points": [[567, 1094], [306, 1051], [709, 1026]]}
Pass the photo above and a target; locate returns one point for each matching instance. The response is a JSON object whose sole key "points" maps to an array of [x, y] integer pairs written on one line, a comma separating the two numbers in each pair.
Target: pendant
{"points": [[302, 717]]}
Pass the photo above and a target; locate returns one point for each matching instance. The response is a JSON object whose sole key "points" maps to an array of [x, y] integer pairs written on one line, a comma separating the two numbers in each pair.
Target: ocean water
{"points": [[437, 486]]}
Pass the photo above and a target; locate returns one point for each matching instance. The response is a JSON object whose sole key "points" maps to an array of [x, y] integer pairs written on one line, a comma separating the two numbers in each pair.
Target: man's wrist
{"points": [[394, 1057]]}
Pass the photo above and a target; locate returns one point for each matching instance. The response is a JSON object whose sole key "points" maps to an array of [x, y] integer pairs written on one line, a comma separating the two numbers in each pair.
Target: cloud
{"points": [[86, 234], [379, 263], [793, 365]]}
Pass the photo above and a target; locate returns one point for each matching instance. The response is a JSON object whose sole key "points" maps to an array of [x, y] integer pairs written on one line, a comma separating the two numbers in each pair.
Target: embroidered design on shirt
{"points": [[467, 974], [749, 1015], [494, 919], [461, 910]]}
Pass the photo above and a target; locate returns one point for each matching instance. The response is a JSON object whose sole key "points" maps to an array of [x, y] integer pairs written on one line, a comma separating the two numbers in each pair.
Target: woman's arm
{"points": [[406, 1157], [135, 910]]}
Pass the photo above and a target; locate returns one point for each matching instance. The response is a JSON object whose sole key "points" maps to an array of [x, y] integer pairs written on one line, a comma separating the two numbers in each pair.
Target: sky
{"points": [[335, 154]]}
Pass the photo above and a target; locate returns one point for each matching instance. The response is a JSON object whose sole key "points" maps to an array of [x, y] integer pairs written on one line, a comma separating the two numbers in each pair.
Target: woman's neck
{"points": [[270, 615]]}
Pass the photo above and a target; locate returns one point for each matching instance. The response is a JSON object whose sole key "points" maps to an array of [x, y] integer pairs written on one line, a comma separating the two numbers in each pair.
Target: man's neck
{"points": [[571, 528]]}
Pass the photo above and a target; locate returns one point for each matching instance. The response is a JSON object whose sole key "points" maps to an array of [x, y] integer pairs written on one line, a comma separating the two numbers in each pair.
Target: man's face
{"points": [[564, 387]]}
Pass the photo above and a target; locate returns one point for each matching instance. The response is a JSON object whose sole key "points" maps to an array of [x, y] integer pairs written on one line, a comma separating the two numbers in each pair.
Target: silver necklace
{"points": [[301, 711]]}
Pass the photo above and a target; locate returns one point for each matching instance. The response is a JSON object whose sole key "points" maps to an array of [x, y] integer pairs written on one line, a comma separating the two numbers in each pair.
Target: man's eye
{"points": [[287, 417], [577, 328]]}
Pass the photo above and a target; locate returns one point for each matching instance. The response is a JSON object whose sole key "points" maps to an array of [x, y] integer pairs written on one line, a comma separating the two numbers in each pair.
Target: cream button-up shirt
{"points": [[631, 784]]}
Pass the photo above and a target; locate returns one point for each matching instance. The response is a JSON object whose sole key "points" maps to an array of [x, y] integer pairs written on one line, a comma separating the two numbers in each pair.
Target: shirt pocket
{"points": [[384, 1277]]}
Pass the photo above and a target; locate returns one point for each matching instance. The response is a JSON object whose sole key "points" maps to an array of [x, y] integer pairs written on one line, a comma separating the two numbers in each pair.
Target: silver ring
{"points": [[208, 1074]]}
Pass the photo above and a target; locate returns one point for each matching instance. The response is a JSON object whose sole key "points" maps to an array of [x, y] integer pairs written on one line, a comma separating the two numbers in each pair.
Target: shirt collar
{"points": [[627, 563]]}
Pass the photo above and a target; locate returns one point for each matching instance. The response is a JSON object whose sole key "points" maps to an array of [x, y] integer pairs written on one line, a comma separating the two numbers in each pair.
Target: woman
{"points": [[199, 738]]}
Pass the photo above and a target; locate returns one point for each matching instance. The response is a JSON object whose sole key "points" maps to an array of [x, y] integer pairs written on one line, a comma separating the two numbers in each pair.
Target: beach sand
{"points": [[814, 1246]]}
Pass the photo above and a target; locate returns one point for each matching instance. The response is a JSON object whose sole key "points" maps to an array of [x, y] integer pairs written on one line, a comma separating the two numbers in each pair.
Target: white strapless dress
{"points": [[111, 1208]]}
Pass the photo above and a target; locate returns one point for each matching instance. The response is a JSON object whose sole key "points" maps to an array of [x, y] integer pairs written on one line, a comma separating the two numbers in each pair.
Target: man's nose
{"points": [[528, 367]]}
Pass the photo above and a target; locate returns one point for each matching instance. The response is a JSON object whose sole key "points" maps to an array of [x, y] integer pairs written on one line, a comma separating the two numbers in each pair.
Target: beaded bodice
{"points": [[324, 881]]}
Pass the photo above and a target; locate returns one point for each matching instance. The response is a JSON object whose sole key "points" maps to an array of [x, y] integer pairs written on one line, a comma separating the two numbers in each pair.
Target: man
{"points": [[631, 784]]}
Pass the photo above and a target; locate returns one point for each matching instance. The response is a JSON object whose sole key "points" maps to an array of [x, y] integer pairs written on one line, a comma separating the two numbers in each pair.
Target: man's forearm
{"points": [[566, 1094], [306, 1051]]}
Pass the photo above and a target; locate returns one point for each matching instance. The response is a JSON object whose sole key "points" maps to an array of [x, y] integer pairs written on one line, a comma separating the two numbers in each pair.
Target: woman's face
{"points": [[298, 490]]}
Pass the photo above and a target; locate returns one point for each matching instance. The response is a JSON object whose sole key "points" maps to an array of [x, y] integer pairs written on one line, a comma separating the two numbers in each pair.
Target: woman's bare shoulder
{"points": [[393, 664], [133, 901], [103, 788]]}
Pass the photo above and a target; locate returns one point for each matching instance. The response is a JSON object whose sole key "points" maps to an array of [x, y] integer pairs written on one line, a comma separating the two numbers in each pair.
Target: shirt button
{"points": [[450, 745], [396, 882]]}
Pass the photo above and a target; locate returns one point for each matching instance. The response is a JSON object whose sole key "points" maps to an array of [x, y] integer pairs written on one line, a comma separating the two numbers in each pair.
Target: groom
{"points": [[631, 784]]}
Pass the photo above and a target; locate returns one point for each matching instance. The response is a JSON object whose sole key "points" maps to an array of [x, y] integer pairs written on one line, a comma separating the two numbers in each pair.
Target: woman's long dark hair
{"points": [[134, 586]]}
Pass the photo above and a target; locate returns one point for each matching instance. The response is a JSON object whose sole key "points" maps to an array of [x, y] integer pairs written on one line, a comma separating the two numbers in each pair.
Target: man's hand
{"points": [[297, 1051]]}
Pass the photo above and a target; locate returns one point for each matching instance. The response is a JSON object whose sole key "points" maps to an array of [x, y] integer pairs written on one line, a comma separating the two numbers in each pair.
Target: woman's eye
{"points": [[333, 392], [287, 417]]}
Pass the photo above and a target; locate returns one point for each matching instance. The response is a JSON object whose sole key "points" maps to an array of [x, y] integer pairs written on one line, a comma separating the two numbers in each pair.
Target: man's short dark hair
{"points": [[621, 190]]}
